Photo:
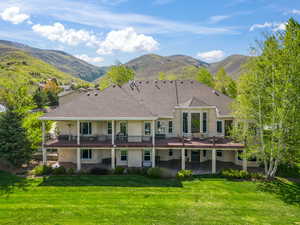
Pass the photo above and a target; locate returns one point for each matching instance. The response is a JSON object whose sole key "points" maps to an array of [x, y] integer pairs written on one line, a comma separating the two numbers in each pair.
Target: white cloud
{"points": [[295, 11], [92, 60], [216, 19], [162, 2], [113, 2], [14, 15], [58, 32], [211, 56], [127, 40], [273, 26]]}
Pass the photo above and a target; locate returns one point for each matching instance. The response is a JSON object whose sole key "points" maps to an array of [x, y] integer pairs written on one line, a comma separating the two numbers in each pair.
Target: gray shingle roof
{"points": [[142, 99]]}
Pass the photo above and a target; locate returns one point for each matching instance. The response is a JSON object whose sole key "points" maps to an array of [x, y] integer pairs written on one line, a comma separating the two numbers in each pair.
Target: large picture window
{"points": [[124, 155], [195, 120], [85, 128], [147, 128], [86, 154]]}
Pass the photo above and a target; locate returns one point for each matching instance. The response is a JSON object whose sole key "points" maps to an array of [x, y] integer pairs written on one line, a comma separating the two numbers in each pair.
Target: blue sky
{"points": [[103, 31]]}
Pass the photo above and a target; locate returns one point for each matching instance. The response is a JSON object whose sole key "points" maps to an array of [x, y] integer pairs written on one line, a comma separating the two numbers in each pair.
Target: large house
{"points": [[177, 124]]}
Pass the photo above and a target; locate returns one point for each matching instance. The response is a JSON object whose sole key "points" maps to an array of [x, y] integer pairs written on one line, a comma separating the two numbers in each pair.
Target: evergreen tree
{"points": [[40, 98], [53, 98], [14, 145]]}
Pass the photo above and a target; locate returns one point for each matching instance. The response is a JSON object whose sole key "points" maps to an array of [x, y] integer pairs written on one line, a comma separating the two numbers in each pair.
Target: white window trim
{"points": [[222, 121], [107, 127], [126, 155], [207, 123], [150, 151], [169, 127], [86, 159], [81, 122]]}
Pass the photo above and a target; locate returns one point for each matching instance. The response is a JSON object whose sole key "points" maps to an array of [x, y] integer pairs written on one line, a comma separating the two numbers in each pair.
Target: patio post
{"points": [[113, 132], [153, 157], [244, 162], [153, 133], [182, 158], [78, 132], [78, 160], [44, 151], [213, 161], [113, 158]]}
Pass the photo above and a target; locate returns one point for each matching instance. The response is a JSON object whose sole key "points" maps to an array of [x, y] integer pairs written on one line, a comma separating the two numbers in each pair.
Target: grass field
{"points": [[123, 200]]}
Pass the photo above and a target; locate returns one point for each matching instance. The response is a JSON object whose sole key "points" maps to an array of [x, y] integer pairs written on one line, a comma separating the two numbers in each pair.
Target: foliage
{"points": [[41, 170], [40, 98], [53, 98], [205, 77], [289, 170], [119, 170], [14, 144], [59, 171], [118, 75], [184, 174], [241, 174], [154, 172], [267, 106], [225, 83], [33, 127], [137, 170], [71, 171], [99, 171]]}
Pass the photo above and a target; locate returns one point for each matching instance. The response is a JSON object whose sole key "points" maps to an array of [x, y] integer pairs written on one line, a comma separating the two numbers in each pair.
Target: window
{"points": [[147, 128], [219, 153], [204, 122], [147, 155], [86, 128], [86, 154], [185, 122], [109, 127], [204, 153], [124, 155], [158, 125], [195, 122], [123, 128], [185, 153], [170, 127], [219, 126], [170, 152]]}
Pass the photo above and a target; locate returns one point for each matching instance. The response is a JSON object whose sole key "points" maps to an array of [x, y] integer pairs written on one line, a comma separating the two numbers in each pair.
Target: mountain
{"points": [[233, 65], [17, 66], [149, 66], [61, 60]]}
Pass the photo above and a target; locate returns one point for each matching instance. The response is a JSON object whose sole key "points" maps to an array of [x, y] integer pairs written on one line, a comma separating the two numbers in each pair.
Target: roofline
{"points": [[98, 118], [204, 107]]}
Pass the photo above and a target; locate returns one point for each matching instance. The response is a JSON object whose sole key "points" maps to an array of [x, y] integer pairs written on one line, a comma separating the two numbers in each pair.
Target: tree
{"points": [[267, 105], [225, 83], [117, 75], [205, 77], [161, 76], [40, 98], [14, 145], [52, 98]]}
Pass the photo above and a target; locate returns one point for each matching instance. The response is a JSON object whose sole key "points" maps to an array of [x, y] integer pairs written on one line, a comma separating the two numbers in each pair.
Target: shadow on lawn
{"points": [[289, 193], [109, 180], [10, 183]]}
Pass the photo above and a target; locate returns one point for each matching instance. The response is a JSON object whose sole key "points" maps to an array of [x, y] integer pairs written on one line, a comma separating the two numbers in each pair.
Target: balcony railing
{"points": [[122, 139]]}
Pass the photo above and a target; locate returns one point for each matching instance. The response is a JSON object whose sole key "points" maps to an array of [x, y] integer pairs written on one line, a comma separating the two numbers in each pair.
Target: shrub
{"points": [[119, 170], [71, 171], [99, 171], [240, 174], [59, 171], [184, 174], [286, 170], [154, 172], [41, 170], [137, 170]]}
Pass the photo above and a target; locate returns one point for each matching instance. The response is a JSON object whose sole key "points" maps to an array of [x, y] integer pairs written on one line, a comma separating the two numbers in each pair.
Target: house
{"points": [[176, 124]]}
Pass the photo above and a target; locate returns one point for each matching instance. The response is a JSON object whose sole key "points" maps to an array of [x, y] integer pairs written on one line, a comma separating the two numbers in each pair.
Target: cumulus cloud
{"points": [[273, 26], [58, 32], [14, 15], [126, 40], [211, 56], [92, 60]]}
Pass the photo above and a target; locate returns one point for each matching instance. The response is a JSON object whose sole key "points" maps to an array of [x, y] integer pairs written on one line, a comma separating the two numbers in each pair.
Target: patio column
{"points": [[113, 158], [244, 162], [213, 161], [153, 133], [78, 132], [78, 160], [183, 159], [112, 132], [44, 151], [153, 157]]}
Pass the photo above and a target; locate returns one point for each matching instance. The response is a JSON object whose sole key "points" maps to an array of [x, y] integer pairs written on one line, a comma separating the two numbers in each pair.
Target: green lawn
{"points": [[138, 200]]}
